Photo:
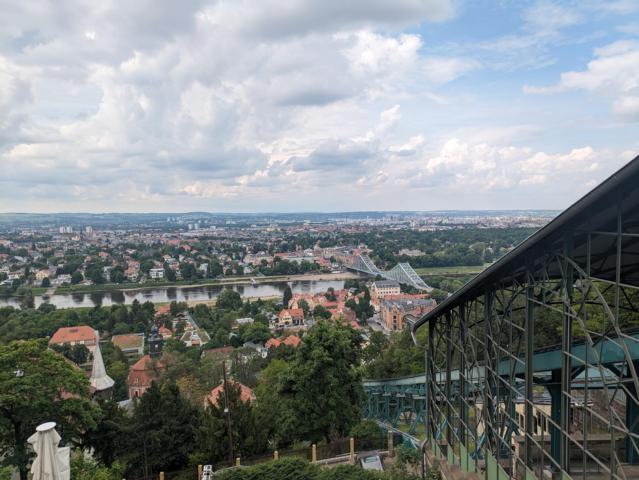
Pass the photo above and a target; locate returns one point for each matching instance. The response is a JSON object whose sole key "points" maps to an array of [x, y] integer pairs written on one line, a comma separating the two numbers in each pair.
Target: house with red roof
{"points": [[165, 332], [290, 317], [142, 374], [291, 341], [217, 394], [80, 335]]}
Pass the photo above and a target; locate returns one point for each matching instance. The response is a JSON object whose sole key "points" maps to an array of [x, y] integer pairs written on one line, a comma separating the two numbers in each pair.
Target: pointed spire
{"points": [[99, 378]]}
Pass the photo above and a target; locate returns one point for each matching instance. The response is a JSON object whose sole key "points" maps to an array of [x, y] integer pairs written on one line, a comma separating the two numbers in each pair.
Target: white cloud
{"points": [[614, 72], [627, 107], [548, 17], [443, 70], [165, 105], [374, 53]]}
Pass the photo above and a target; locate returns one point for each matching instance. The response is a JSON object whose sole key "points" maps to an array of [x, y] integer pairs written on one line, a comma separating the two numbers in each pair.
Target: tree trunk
{"points": [[19, 451]]}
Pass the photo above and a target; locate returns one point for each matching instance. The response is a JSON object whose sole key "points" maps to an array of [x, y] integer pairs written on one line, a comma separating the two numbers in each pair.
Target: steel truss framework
{"points": [[402, 272], [531, 369]]}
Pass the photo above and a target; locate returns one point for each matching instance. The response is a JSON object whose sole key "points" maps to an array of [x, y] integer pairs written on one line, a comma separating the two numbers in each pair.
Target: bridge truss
{"points": [[401, 273], [532, 367]]}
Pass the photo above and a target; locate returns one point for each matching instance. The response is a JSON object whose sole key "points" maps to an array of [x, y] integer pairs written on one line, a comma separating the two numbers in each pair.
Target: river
{"points": [[179, 294]]}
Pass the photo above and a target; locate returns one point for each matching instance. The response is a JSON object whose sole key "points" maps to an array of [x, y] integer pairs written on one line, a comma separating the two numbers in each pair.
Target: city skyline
{"points": [[314, 107]]}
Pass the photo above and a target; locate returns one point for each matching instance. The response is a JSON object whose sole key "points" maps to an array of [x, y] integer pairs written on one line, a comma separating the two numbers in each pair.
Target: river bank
{"points": [[192, 294], [246, 280]]}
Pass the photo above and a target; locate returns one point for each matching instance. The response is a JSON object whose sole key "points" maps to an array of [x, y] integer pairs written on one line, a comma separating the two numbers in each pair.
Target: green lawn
{"points": [[419, 433], [460, 270]]}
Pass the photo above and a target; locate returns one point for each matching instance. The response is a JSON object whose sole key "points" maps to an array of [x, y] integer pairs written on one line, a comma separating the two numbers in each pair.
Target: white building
{"points": [[381, 288], [156, 273]]}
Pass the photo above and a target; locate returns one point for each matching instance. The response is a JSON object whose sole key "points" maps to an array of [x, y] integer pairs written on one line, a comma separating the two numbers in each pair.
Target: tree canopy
{"points": [[39, 385]]}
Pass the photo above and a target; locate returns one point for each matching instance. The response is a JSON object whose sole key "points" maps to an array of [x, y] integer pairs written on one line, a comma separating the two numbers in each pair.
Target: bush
{"points": [[295, 468], [86, 468], [366, 428]]}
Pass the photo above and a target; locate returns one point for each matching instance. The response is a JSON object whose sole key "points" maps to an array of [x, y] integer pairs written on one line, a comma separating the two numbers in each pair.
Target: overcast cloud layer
{"points": [[236, 105]]}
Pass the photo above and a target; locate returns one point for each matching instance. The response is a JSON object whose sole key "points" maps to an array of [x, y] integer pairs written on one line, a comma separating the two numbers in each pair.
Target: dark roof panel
{"points": [[597, 209]]}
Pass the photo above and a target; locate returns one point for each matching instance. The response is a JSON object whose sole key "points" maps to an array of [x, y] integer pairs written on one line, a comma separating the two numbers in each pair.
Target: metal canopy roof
{"points": [[597, 210]]}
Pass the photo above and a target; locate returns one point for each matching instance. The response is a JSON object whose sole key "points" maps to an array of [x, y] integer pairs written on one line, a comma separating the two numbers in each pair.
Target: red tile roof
{"points": [[293, 312], [82, 333], [292, 341], [246, 394], [165, 332], [144, 371]]}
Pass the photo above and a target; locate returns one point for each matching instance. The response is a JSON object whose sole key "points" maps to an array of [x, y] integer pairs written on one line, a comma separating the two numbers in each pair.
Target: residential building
{"points": [[244, 321], [261, 350], [195, 337], [291, 341], [165, 332], [80, 335], [42, 274], [156, 273], [132, 344], [380, 288], [394, 308], [290, 317], [213, 398]]}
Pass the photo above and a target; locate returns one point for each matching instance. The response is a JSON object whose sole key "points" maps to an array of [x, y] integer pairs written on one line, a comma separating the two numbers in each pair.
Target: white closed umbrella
{"points": [[51, 463]]}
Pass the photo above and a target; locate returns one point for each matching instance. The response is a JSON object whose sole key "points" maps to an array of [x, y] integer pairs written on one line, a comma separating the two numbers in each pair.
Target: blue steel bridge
{"points": [[531, 367]]}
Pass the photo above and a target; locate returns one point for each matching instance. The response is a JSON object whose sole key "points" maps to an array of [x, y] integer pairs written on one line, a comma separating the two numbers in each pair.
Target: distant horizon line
{"points": [[301, 212]]}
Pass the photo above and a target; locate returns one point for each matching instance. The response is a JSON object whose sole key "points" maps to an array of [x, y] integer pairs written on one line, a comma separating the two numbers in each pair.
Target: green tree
{"points": [[78, 353], [288, 294], [377, 344], [32, 380], [169, 273], [85, 468], [76, 278], [119, 372], [117, 274], [46, 283], [26, 301], [94, 273], [399, 358], [162, 433], [320, 312], [109, 437], [269, 404], [248, 435], [188, 271], [303, 304], [320, 391], [229, 299], [255, 332]]}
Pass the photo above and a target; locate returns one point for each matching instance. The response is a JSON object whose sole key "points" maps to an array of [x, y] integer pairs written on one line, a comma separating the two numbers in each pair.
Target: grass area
{"points": [[458, 270], [420, 431], [38, 290]]}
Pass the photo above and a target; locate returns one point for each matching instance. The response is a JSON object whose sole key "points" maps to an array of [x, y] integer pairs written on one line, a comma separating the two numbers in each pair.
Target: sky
{"points": [[313, 105]]}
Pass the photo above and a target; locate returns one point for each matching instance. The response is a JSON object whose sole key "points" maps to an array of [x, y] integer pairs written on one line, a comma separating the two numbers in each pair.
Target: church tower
{"points": [[156, 342]]}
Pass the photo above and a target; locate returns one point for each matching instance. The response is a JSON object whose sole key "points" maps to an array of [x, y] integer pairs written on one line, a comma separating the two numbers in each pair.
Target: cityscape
{"points": [[319, 240]]}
